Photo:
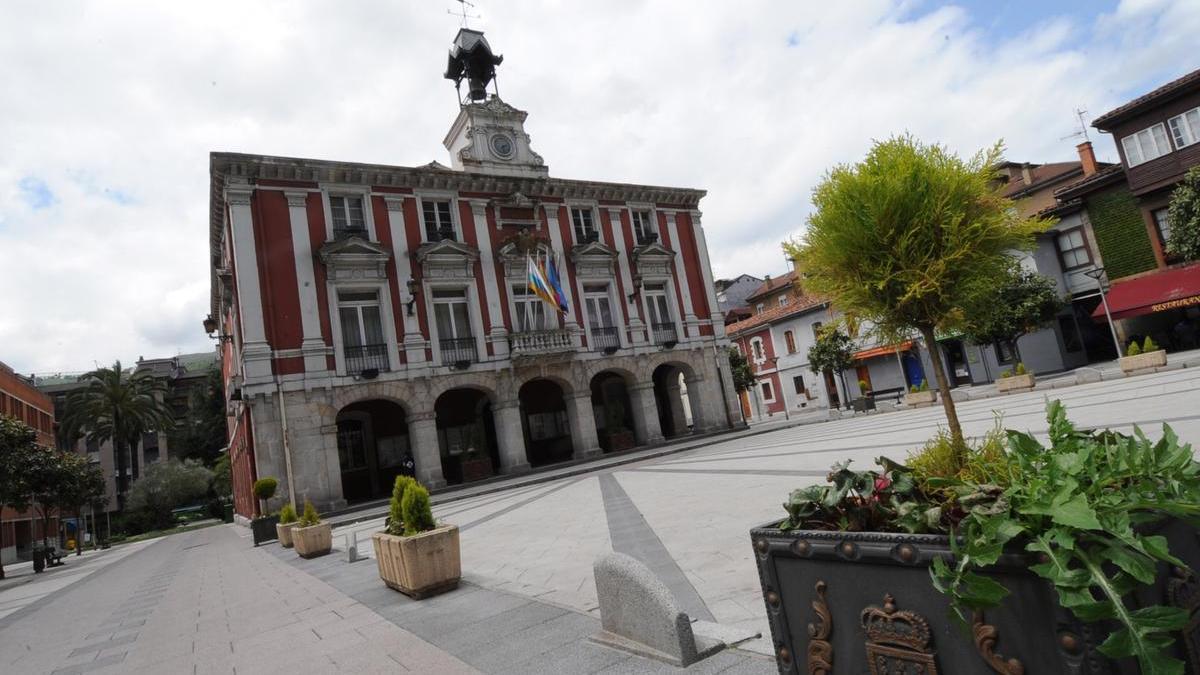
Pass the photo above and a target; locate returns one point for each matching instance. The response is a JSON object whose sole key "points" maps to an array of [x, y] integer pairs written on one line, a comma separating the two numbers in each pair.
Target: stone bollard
{"points": [[639, 615], [351, 546], [1087, 375]]}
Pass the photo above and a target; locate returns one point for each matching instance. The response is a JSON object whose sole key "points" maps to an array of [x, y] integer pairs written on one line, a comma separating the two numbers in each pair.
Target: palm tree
{"points": [[117, 406]]}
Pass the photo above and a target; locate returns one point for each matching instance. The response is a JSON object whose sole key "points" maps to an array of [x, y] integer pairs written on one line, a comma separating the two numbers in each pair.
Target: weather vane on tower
{"points": [[463, 12]]}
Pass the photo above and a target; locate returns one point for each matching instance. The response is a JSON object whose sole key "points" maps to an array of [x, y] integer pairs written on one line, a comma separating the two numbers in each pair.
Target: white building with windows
{"points": [[378, 317]]}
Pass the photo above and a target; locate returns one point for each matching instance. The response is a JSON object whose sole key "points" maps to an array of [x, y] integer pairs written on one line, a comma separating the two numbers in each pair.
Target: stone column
{"points": [[427, 454], [583, 425], [675, 400], [645, 414], [497, 334], [510, 436]]}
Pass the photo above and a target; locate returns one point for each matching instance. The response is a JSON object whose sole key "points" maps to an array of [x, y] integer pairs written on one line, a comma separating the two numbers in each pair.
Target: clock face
{"points": [[502, 146]]}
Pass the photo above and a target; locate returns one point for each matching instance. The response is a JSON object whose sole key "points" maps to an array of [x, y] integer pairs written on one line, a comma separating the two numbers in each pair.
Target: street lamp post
{"points": [[1097, 273]]}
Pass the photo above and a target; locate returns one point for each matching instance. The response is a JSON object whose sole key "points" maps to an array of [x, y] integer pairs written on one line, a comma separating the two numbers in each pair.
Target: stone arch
{"points": [[677, 403], [373, 447], [545, 420], [613, 409], [466, 433]]}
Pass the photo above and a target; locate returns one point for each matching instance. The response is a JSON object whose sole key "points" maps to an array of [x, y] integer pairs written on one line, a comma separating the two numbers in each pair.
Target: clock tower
{"points": [[488, 135]]}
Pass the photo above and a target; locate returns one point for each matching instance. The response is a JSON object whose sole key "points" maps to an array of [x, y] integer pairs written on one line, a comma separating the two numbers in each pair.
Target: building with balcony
{"points": [[377, 317], [20, 400]]}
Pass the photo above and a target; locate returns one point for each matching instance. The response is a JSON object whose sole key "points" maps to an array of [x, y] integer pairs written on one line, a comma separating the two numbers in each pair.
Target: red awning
{"points": [[1169, 289], [882, 351]]}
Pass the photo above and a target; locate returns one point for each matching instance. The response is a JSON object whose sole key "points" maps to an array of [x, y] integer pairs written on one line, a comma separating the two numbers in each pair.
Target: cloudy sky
{"points": [[110, 110]]}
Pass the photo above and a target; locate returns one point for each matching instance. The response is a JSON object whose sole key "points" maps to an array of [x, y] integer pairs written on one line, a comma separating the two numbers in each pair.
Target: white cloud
{"points": [[114, 107]]}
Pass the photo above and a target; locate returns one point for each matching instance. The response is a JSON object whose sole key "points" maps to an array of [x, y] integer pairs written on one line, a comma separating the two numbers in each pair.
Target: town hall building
{"points": [[377, 319]]}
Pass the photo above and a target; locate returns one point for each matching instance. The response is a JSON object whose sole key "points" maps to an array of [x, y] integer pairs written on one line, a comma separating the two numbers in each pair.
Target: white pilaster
{"points": [[256, 353], [571, 320], [497, 334], [689, 312], [414, 345], [710, 288], [311, 345], [427, 454], [583, 425], [511, 437], [636, 328]]}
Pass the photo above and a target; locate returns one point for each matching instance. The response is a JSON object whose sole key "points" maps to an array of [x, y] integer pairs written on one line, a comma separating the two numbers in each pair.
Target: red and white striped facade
{"points": [[281, 272]]}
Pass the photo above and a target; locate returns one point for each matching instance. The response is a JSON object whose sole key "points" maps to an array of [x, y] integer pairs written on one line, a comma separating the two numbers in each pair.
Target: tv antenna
{"points": [[464, 12], [1082, 132]]}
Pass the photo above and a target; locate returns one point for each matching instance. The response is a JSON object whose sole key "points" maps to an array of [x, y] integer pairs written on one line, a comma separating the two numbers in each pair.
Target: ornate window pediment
{"points": [[447, 259], [354, 258], [513, 251], [653, 259], [593, 260]]}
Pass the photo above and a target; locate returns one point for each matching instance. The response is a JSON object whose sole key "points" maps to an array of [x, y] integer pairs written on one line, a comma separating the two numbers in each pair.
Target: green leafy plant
{"points": [[310, 516], [864, 387], [1184, 214], [743, 377], [264, 488], [1020, 370], [1005, 373], [1149, 345], [1081, 504], [1133, 349], [418, 514], [912, 389], [1018, 303], [924, 385], [395, 519], [287, 514]]}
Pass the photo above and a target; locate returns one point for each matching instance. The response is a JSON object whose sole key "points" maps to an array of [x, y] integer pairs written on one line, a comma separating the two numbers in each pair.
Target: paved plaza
{"points": [[208, 601]]}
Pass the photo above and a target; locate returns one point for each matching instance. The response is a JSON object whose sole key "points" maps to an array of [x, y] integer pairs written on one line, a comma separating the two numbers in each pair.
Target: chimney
{"points": [[1087, 157], [1025, 175]]}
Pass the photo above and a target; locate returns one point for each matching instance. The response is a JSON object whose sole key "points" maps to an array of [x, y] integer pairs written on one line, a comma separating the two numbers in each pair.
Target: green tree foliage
{"points": [[833, 350], [1184, 214], [264, 488], [222, 484], [310, 516], [418, 514], [395, 519], [166, 486], [743, 377], [899, 239], [1019, 303], [202, 432], [116, 406], [287, 514], [80, 484], [18, 443]]}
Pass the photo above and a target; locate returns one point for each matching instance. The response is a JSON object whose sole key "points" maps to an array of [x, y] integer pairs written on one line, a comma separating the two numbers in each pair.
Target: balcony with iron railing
{"points": [[367, 357], [340, 233], [540, 342], [605, 339], [458, 351], [664, 334]]}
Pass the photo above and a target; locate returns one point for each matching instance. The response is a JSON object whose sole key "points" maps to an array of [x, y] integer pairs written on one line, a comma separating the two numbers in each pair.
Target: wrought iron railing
{"points": [[458, 350], [540, 342], [646, 238], [605, 338], [340, 233], [367, 357], [664, 333]]}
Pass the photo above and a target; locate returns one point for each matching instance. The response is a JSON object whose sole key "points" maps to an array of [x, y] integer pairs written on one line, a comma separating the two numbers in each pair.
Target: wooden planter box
{"points": [[920, 399], [477, 469], [1133, 364], [621, 440], [1015, 383], [862, 602], [284, 532], [263, 529], [421, 565], [312, 541]]}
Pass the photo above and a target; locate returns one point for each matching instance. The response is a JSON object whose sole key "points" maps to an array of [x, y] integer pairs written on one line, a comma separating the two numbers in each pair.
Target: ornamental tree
{"points": [[166, 486], [1021, 303], [898, 240], [832, 352], [18, 442], [1184, 216], [743, 377]]}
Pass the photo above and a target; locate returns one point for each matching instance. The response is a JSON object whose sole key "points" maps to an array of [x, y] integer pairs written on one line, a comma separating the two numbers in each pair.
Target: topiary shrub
{"points": [[310, 516], [417, 513], [1133, 349], [1149, 345], [395, 519], [912, 389], [1020, 369], [924, 385], [1005, 373], [264, 488], [287, 514]]}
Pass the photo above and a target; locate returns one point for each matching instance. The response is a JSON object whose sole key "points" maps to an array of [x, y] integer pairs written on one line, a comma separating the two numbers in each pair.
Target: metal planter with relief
{"points": [[862, 602]]}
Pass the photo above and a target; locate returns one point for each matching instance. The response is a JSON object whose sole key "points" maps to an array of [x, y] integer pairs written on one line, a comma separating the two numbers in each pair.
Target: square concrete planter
{"points": [[284, 531], [1015, 383], [422, 565], [312, 541], [862, 602], [1133, 364], [263, 529], [920, 399]]}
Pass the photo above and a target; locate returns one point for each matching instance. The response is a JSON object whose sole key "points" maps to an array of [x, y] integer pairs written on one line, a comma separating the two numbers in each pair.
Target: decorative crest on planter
{"points": [[897, 640], [820, 651], [1183, 591], [986, 637]]}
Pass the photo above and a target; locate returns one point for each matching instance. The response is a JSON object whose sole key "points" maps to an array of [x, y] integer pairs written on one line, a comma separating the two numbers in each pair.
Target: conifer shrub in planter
{"points": [[415, 555], [287, 519], [263, 528], [311, 536], [920, 396], [1143, 357], [1021, 380], [1008, 558]]}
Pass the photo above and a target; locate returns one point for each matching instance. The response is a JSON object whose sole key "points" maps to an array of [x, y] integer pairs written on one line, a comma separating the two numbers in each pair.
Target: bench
{"points": [[52, 556], [895, 393]]}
